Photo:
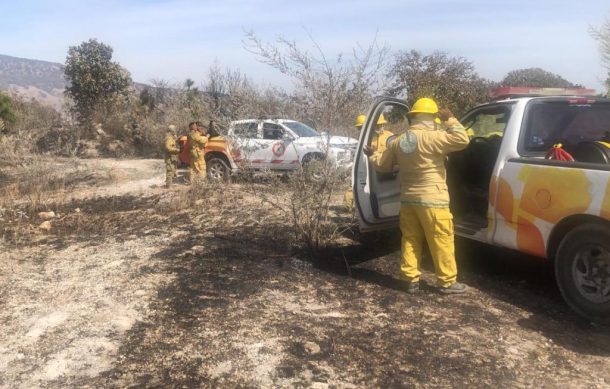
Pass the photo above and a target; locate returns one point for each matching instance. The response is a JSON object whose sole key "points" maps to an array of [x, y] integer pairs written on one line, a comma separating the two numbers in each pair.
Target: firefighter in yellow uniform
{"points": [[196, 143], [381, 136], [348, 197], [378, 143], [360, 121], [171, 152], [424, 213]]}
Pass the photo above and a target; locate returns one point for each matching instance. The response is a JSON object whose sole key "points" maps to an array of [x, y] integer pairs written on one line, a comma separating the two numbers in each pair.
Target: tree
{"points": [[230, 92], [95, 81], [602, 35], [192, 99], [216, 87], [188, 85], [536, 77], [330, 93], [7, 114], [156, 95], [451, 81], [147, 99]]}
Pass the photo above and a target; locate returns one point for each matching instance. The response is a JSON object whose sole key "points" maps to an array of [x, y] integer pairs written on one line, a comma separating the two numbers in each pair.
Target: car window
{"points": [[569, 123], [488, 121], [246, 130], [272, 131], [301, 129]]}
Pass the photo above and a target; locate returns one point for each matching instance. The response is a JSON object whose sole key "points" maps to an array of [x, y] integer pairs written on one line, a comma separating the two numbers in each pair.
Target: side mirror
{"points": [[287, 137]]}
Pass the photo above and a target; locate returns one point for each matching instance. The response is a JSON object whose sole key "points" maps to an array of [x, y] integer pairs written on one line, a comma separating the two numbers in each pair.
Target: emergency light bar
{"points": [[526, 91]]}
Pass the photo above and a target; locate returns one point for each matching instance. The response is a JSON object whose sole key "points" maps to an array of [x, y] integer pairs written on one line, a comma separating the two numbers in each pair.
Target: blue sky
{"points": [[173, 40]]}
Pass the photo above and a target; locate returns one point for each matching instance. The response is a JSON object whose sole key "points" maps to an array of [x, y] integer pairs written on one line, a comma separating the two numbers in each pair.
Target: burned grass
{"points": [[207, 287], [245, 309], [250, 314]]}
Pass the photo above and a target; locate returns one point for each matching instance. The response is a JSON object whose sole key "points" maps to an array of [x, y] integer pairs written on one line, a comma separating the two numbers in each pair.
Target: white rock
{"points": [[311, 347], [47, 215]]}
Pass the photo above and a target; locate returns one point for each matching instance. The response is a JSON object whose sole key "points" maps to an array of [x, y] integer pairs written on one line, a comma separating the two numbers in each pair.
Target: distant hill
{"points": [[34, 79], [31, 72]]}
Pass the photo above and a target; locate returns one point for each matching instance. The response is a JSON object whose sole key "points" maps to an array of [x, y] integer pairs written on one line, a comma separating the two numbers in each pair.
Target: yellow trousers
{"points": [[348, 200], [170, 171], [435, 225], [197, 170]]}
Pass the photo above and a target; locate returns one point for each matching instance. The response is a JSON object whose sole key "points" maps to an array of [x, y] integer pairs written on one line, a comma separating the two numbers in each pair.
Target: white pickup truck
{"points": [[504, 191], [283, 144]]}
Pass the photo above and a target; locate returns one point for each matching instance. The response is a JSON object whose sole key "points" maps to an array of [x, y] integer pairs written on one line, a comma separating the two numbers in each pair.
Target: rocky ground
{"points": [[137, 286]]}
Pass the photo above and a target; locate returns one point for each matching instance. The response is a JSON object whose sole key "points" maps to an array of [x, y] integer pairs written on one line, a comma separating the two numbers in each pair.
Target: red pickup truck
{"points": [[218, 156]]}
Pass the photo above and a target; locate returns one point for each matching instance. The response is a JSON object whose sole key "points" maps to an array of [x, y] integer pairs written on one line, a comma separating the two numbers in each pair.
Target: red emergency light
{"points": [[508, 92], [581, 100]]}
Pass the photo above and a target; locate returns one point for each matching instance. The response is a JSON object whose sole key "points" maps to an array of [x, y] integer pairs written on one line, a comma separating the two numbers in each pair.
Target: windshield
{"points": [[301, 129], [487, 121], [550, 122]]}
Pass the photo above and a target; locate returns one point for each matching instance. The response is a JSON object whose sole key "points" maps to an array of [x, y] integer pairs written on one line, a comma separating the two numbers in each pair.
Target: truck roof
{"points": [[587, 99], [530, 91]]}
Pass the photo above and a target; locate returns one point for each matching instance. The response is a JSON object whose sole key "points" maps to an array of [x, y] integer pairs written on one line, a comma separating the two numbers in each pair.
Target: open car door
{"points": [[377, 195]]}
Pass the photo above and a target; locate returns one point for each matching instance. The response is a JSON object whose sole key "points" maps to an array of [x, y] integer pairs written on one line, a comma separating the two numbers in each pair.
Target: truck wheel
{"points": [[582, 270], [217, 169], [313, 166]]}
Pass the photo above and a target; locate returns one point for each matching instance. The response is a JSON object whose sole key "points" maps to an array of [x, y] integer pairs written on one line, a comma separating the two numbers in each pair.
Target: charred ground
{"points": [[156, 288]]}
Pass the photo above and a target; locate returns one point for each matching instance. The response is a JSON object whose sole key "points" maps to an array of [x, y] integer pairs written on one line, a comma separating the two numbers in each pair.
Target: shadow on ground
{"points": [[243, 305], [522, 281]]}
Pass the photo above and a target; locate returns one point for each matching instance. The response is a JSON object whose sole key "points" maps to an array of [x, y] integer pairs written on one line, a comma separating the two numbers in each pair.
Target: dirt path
{"points": [[133, 176], [66, 304], [125, 293]]}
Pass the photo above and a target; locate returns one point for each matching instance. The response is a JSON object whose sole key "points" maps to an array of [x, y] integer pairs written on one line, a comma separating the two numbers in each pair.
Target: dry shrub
{"points": [[199, 197], [31, 115], [12, 150], [61, 141], [39, 184], [35, 186], [310, 206], [24, 192], [305, 199]]}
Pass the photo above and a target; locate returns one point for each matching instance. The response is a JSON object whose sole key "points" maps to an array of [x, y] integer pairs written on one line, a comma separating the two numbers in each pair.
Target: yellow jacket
{"points": [[171, 150], [380, 140], [420, 154], [196, 143]]}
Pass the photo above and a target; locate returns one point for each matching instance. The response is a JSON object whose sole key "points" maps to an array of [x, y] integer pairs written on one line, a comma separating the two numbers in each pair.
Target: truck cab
{"points": [[218, 156], [286, 145], [504, 191]]}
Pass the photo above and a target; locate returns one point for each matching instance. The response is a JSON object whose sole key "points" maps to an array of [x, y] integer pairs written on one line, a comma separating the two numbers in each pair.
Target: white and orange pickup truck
{"points": [[504, 191], [218, 156]]}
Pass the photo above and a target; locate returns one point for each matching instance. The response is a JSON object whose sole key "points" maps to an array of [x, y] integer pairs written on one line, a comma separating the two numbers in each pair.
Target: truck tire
{"points": [[218, 169], [313, 166], [582, 271]]}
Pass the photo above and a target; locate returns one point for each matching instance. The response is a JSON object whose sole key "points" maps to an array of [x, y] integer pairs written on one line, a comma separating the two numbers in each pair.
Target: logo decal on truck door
{"points": [[278, 149]]}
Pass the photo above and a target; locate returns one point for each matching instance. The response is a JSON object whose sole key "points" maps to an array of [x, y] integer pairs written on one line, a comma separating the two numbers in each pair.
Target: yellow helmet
{"points": [[381, 120], [360, 120], [424, 105]]}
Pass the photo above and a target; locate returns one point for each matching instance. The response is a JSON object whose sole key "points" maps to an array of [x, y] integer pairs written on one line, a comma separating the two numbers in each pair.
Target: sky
{"points": [[178, 39]]}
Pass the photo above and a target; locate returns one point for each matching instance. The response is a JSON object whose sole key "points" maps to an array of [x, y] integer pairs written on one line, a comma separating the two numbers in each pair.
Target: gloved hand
{"points": [[444, 114], [367, 150]]}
